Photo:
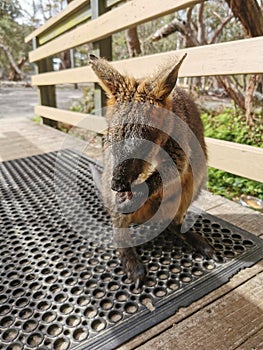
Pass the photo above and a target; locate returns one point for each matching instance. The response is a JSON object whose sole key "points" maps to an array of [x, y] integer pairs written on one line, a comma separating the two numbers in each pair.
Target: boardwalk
{"points": [[230, 317]]}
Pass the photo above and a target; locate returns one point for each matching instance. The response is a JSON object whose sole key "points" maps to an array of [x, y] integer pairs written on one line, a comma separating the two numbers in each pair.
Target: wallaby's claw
{"points": [[134, 269], [200, 244], [196, 241], [138, 283]]}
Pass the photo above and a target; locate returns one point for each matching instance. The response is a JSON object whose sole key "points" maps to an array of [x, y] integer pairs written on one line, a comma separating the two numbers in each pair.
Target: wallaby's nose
{"points": [[119, 186]]}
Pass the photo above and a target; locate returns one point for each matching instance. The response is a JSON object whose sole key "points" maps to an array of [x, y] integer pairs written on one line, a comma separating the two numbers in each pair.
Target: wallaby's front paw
{"points": [[134, 268]]}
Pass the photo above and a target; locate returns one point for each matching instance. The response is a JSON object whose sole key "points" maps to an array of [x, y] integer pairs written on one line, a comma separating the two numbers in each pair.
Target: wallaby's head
{"points": [[120, 88], [136, 111]]}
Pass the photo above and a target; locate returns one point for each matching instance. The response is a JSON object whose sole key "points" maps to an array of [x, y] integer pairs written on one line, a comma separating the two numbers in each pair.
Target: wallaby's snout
{"points": [[127, 174], [121, 176], [119, 183], [128, 184]]}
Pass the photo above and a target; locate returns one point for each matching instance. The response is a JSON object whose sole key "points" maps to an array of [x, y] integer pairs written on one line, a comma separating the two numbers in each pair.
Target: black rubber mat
{"points": [[61, 285]]}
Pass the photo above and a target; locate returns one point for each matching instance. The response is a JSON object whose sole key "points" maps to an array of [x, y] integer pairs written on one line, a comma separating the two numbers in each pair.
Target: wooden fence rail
{"points": [[217, 59], [86, 21]]}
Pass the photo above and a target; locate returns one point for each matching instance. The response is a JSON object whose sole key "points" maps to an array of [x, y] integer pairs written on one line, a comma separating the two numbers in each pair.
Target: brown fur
{"points": [[124, 122]]}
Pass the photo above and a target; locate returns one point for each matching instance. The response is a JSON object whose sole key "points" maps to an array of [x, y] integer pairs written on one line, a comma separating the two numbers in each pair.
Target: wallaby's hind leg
{"points": [[196, 241], [129, 258], [132, 265], [200, 244]]}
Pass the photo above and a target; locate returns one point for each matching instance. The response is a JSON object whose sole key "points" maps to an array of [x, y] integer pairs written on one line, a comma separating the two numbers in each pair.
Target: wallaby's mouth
{"points": [[123, 196]]}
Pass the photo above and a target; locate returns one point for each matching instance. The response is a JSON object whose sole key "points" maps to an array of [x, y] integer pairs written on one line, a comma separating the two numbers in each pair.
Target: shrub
{"points": [[230, 125]]}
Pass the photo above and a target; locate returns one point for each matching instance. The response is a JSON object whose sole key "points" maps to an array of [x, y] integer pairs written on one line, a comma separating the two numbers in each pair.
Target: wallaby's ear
{"points": [[165, 85], [110, 79]]}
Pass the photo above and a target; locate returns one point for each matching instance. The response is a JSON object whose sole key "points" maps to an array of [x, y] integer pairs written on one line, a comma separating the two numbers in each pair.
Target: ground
{"points": [[17, 100]]}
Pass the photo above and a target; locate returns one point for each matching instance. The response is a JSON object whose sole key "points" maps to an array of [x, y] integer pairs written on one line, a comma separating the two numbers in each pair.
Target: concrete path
{"points": [[18, 101]]}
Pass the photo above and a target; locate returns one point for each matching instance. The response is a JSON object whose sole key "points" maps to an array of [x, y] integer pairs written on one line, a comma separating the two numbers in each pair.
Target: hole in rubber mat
{"points": [[62, 286]]}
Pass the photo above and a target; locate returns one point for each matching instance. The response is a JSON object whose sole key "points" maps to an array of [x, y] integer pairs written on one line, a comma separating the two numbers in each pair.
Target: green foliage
{"points": [[231, 126], [86, 103], [12, 34], [232, 186], [36, 119]]}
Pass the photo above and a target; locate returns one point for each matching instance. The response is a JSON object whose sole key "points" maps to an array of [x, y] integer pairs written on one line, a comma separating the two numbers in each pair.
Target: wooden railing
{"points": [[86, 21]]}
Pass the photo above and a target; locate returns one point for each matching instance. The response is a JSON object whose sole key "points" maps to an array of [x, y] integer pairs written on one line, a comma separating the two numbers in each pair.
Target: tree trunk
{"points": [[13, 74], [236, 95], [251, 86], [133, 42], [65, 60], [249, 14], [15, 69]]}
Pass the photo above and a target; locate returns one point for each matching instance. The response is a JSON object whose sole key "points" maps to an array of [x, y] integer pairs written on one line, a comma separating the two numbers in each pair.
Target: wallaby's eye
{"points": [[159, 100]]}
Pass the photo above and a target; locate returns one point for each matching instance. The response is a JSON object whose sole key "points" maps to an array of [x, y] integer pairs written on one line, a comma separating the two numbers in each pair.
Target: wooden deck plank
{"points": [[253, 343], [242, 217], [208, 201], [20, 137], [224, 324]]}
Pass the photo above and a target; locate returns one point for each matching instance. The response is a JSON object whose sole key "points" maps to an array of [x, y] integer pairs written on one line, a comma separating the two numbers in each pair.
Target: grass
{"points": [[36, 119]]}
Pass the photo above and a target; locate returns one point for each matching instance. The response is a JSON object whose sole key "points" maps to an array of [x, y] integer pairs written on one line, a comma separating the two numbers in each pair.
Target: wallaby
{"points": [[150, 109]]}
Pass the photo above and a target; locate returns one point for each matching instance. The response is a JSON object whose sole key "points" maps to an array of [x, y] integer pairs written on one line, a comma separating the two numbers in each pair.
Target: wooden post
{"points": [[72, 63], [46, 94], [102, 48]]}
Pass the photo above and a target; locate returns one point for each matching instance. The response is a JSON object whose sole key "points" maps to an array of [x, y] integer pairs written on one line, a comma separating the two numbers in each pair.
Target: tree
{"points": [[193, 28], [41, 10], [15, 68], [204, 24], [16, 22], [250, 15], [13, 51], [133, 42], [10, 8]]}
